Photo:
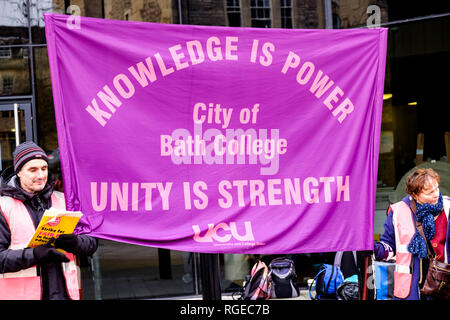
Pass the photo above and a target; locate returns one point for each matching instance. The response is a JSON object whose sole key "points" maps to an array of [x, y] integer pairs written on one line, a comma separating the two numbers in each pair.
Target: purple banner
{"points": [[218, 139]]}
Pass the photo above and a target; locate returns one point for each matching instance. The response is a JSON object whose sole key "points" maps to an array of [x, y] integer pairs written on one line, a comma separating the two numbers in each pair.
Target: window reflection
{"points": [[136, 272], [37, 10], [46, 123], [14, 71], [13, 22]]}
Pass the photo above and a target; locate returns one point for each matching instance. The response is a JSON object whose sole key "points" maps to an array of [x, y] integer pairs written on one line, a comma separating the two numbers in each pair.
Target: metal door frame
{"points": [[26, 107]]}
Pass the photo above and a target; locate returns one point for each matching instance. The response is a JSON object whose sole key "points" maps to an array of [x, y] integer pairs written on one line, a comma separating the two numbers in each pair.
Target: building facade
{"points": [[414, 123]]}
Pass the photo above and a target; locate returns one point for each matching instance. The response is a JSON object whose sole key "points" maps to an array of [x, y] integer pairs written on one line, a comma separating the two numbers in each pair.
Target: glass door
{"points": [[14, 117]]}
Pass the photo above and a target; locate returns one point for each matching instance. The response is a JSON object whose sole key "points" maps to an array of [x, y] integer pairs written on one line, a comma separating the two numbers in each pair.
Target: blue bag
{"points": [[326, 282], [384, 280]]}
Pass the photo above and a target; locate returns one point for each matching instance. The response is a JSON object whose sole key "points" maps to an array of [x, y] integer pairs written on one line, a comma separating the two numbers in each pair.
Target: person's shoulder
{"points": [[405, 200], [446, 203], [59, 194]]}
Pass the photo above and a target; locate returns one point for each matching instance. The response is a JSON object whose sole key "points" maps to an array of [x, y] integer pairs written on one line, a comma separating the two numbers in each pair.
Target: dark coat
{"points": [[52, 277]]}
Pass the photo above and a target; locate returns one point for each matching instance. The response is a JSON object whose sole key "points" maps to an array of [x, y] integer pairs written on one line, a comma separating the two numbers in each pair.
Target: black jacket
{"points": [[52, 277]]}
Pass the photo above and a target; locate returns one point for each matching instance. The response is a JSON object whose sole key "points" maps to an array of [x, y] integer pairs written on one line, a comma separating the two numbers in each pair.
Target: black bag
{"points": [[284, 278], [348, 291]]}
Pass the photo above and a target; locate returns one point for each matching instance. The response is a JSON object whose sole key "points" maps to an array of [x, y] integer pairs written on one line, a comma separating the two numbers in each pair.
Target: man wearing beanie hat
{"points": [[33, 180], [26, 191]]}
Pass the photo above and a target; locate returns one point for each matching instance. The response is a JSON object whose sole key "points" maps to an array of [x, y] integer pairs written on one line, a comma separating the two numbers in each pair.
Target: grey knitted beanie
{"points": [[25, 152]]}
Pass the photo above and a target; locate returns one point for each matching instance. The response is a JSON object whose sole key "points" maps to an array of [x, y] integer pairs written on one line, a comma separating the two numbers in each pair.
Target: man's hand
{"points": [[46, 253], [67, 242]]}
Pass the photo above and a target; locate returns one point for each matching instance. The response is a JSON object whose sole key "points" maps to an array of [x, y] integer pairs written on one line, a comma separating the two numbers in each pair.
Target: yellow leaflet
{"points": [[54, 222]]}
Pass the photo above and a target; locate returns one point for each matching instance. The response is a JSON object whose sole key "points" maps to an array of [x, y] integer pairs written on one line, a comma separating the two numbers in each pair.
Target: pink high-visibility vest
{"points": [[405, 229], [26, 284]]}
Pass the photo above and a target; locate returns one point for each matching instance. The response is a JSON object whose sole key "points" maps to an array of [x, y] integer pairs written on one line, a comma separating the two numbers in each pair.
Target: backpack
{"points": [[349, 290], [284, 278], [258, 284], [327, 280]]}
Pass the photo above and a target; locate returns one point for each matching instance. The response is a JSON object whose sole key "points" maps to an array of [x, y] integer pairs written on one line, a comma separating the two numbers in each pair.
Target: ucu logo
{"points": [[223, 233]]}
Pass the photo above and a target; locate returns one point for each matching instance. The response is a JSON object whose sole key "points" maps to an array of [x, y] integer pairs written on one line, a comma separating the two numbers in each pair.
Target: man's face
{"points": [[430, 193], [33, 175]]}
